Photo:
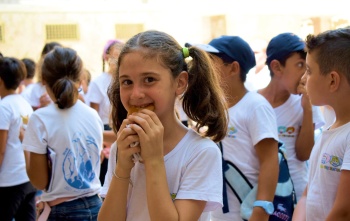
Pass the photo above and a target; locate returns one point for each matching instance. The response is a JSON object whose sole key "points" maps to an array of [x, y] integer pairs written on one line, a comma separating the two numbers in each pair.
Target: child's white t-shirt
{"points": [[75, 135], [330, 155], [193, 169], [33, 92], [252, 119], [13, 169], [97, 93], [289, 119]]}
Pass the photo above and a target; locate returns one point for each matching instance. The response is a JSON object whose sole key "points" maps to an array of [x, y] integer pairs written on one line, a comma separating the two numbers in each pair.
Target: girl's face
{"points": [[144, 82]]}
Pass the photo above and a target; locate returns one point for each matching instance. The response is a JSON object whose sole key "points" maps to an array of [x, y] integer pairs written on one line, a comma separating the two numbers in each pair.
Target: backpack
{"points": [[284, 199]]}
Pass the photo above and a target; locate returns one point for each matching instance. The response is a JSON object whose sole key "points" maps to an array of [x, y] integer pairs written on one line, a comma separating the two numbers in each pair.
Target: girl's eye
{"points": [[149, 79], [126, 82]]}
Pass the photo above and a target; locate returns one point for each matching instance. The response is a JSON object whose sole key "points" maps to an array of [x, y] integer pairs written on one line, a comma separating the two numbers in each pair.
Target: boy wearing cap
{"points": [[296, 117], [326, 196], [251, 142]]}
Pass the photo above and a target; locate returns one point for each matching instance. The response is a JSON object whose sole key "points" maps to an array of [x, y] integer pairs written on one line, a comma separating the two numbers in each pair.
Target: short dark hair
{"points": [[332, 51], [30, 67], [12, 72]]}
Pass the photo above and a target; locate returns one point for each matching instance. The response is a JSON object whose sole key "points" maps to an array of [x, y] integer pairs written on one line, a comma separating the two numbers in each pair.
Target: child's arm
{"points": [[37, 169], [3, 141], [305, 140], [267, 151], [300, 210], [341, 206]]}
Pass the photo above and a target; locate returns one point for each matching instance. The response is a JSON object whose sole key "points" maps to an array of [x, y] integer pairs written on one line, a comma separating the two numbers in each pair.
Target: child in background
{"points": [[17, 193], [326, 196], [97, 94], [71, 130], [30, 68], [35, 93], [251, 141], [297, 119], [174, 180]]}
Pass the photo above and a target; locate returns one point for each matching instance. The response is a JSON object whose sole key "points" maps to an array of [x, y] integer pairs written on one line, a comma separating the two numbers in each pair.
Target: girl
{"points": [[69, 134], [17, 194], [98, 98], [180, 176]]}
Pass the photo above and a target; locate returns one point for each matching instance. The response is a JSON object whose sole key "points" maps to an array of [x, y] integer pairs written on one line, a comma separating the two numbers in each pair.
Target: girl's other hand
{"points": [[150, 132]]}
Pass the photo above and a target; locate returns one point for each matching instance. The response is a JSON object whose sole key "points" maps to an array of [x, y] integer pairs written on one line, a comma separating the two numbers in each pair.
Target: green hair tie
{"points": [[185, 52]]}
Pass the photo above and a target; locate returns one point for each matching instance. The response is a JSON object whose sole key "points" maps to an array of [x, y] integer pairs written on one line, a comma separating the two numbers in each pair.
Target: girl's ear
{"points": [[181, 83]]}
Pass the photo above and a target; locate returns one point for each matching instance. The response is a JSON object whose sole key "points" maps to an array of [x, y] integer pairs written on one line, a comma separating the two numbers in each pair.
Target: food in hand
{"points": [[133, 109]]}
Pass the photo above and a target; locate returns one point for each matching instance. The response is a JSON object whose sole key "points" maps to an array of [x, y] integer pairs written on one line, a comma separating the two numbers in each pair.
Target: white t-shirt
{"points": [[33, 92], [97, 93], [256, 81], [75, 135], [252, 119], [189, 176], [13, 169], [289, 119], [330, 155]]}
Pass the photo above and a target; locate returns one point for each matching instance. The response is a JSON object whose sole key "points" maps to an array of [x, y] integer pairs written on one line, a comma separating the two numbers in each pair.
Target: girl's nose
{"points": [[137, 92]]}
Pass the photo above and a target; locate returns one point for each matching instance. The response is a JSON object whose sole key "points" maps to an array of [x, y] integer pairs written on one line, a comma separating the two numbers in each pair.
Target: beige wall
{"points": [[24, 25]]}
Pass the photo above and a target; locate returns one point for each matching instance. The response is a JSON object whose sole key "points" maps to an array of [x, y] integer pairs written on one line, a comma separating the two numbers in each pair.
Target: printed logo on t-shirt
{"points": [[80, 161], [331, 162], [232, 132], [286, 131]]}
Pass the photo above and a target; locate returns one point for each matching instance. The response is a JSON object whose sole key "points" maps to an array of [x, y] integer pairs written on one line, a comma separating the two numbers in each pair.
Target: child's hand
{"points": [[150, 132], [44, 100], [125, 137], [301, 90]]}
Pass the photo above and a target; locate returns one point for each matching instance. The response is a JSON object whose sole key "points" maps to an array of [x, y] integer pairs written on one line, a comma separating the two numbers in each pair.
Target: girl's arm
{"points": [[341, 206], [300, 210], [95, 106], [37, 169], [3, 142], [160, 204], [267, 152], [115, 204]]}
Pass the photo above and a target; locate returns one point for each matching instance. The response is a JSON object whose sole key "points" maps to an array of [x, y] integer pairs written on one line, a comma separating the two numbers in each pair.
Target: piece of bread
{"points": [[134, 109]]}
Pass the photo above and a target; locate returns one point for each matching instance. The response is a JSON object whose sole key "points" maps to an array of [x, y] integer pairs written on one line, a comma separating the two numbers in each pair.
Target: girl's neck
{"points": [[6, 93], [173, 135]]}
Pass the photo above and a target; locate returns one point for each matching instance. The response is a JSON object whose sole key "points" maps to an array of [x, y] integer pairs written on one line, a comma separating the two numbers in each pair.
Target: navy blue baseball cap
{"points": [[282, 45], [230, 49]]}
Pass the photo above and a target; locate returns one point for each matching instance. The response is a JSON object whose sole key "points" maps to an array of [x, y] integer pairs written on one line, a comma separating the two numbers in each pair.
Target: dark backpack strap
{"points": [[225, 208]]}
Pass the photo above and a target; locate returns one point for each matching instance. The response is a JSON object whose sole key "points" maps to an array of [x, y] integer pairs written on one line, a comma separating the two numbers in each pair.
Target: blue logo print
{"points": [[80, 162]]}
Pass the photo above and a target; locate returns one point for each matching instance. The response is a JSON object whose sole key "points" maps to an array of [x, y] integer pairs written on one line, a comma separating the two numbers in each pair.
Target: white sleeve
{"points": [[112, 162], [317, 117]]}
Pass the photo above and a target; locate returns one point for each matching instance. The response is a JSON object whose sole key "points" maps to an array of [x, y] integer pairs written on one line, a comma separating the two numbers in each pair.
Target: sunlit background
{"points": [[86, 25]]}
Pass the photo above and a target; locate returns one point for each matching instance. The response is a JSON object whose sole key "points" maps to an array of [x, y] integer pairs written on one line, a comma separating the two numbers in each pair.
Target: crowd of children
{"points": [[57, 134]]}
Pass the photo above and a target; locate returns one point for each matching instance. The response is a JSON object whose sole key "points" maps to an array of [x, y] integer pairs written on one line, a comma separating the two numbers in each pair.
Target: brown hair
{"points": [[61, 71], [332, 50], [12, 72], [203, 101]]}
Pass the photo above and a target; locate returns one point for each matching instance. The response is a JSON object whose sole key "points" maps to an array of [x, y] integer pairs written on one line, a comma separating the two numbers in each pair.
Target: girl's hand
{"points": [[125, 137], [150, 132]]}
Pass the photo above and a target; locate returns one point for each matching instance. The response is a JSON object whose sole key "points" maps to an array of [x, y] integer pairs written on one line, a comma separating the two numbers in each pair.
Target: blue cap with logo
{"points": [[229, 49], [282, 45]]}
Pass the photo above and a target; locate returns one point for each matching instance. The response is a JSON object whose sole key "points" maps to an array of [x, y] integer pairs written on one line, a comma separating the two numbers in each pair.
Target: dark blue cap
{"points": [[229, 49], [282, 45]]}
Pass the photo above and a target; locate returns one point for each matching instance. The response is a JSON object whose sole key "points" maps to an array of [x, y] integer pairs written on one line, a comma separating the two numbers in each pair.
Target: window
{"points": [[62, 32], [126, 31]]}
